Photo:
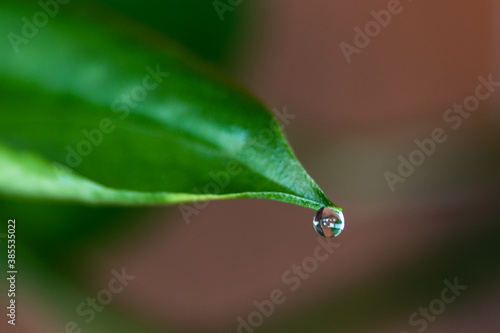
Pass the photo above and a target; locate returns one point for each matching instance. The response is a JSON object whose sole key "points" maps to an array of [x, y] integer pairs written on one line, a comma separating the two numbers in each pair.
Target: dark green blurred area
{"points": [[194, 24]]}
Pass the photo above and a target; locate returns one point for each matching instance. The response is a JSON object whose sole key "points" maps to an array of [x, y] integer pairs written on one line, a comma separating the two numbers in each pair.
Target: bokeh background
{"points": [[352, 122]]}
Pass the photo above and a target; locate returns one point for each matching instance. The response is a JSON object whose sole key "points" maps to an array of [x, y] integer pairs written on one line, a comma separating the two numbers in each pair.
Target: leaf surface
{"points": [[111, 113]]}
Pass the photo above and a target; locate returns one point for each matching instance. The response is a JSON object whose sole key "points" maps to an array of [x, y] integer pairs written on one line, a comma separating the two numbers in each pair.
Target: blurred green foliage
{"points": [[193, 23]]}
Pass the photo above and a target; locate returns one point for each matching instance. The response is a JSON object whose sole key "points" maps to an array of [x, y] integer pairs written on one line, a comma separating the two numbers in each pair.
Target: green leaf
{"points": [[110, 113]]}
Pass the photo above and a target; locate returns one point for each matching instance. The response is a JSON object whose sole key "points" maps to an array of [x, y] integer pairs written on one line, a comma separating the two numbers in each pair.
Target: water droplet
{"points": [[329, 222]]}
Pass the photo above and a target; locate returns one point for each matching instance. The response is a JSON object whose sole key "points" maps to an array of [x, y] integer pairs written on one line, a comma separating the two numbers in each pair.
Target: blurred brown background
{"points": [[352, 122]]}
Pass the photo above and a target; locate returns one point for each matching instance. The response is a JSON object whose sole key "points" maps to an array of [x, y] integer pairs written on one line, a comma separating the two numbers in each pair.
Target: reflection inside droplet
{"points": [[329, 222]]}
